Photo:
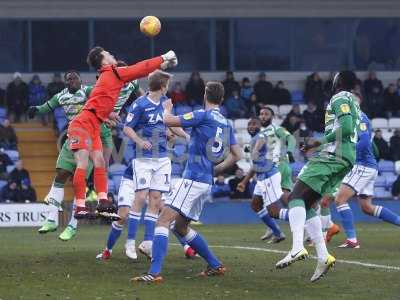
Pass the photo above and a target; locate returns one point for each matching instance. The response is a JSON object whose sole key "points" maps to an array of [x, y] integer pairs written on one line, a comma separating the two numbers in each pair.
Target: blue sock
{"points": [[284, 214], [159, 250], [149, 225], [114, 234], [270, 222], [346, 215], [133, 224], [199, 244], [386, 215]]}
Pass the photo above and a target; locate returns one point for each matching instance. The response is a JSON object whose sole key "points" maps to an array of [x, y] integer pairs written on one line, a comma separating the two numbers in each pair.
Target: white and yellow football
{"points": [[150, 26]]}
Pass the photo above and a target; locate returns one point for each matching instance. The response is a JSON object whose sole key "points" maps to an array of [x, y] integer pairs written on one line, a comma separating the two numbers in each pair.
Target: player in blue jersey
{"points": [[360, 181], [211, 141], [268, 188], [151, 165]]}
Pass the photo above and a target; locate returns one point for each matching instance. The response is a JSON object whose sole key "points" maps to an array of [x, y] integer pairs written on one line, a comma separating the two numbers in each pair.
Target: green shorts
{"points": [[66, 159], [106, 136], [286, 175], [324, 174]]}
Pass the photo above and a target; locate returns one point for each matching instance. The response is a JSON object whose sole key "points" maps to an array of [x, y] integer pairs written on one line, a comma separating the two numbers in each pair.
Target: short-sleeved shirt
{"points": [[262, 165], [210, 140], [146, 117], [342, 104], [364, 149]]}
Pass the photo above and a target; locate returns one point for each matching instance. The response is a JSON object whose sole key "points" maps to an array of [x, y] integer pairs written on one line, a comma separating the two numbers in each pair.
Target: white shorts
{"points": [[152, 173], [269, 189], [188, 197], [126, 192], [361, 179]]}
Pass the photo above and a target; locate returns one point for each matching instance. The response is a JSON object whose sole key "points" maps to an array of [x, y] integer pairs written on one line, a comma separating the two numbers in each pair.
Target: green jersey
{"points": [[341, 104], [277, 138], [71, 103], [126, 91]]}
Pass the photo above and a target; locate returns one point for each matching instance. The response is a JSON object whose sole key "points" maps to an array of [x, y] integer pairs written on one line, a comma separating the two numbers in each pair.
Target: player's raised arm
{"points": [[145, 67]]}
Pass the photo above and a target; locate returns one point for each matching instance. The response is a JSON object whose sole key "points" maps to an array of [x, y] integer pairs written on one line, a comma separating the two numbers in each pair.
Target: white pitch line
{"points": [[349, 262]]}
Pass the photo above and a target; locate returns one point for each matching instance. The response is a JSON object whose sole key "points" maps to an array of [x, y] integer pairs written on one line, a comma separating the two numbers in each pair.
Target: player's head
{"points": [[73, 81], [121, 63], [159, 81], [98, 57], [214, 93], [253, 126], [266, 115], [344, 81]]}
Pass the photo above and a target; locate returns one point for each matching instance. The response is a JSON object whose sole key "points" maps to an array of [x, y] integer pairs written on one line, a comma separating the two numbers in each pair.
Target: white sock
{"points": [[326, 222], [57, 195], [297, 219], [314, 230], [73, 222]]}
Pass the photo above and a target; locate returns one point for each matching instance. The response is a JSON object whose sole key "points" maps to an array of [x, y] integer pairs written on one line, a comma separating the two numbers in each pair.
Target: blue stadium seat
{"points": [[382, 193], [116, 170], [297, 97], [10, 168], [111, 186], [128, 154], [117, 180], [386, 166], [12, 154], [390, 178], [3, 183], [3, 113], [380, 182]]}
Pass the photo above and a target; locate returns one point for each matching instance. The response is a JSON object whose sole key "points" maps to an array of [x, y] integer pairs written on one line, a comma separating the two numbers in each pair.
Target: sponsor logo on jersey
{"points": [[345, 108], [363, 126], [129, 117], [150, 108], [188, 116]]}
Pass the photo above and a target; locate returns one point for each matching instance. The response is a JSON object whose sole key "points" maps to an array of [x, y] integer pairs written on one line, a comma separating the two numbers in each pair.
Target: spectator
{"points": [[177, 93], [398, 86], [373, 96], [391, 101], [296, 111], [291, 123], [19, 173], [246, 90], [235, 108], [263, 89], [17, 97], [37, 92], [254, 107], [396, 188], [55, 86], [313, 118], [382, 145], [8, 137], [235, 194], [281, 95], [5, 161], [314, 90], [230, 85], [27, 193], [10, 193], [195, 89], [328, 87], [2, 98], [304, 132], [220, 188], [395, 145]]}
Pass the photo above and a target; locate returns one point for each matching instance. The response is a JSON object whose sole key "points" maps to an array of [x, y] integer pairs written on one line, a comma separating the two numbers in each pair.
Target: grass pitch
{"points": [[34, 266]]}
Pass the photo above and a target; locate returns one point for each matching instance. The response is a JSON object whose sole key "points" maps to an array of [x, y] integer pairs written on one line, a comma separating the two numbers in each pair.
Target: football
{"points": [[150, 26]]}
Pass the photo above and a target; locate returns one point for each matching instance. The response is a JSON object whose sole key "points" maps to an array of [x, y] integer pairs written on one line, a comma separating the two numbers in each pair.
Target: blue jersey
{"points": [[263, 167], [365, 154], [146, 118], [211, 137], [178, 155], [128, 174]]}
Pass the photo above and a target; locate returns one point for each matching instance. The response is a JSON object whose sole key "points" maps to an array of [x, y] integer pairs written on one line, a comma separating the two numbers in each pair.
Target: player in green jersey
{"points": [[335, 158], [72, 100]]}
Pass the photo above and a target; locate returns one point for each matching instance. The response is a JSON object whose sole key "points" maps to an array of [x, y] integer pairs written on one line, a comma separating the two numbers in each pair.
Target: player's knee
{"points": [[62, 176], [367, 208], [98, 161], [273, 210], [257, 204]]}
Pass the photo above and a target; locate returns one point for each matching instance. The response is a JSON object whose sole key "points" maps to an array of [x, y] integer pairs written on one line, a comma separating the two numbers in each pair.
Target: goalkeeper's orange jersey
{"points": [[108, 86]]}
